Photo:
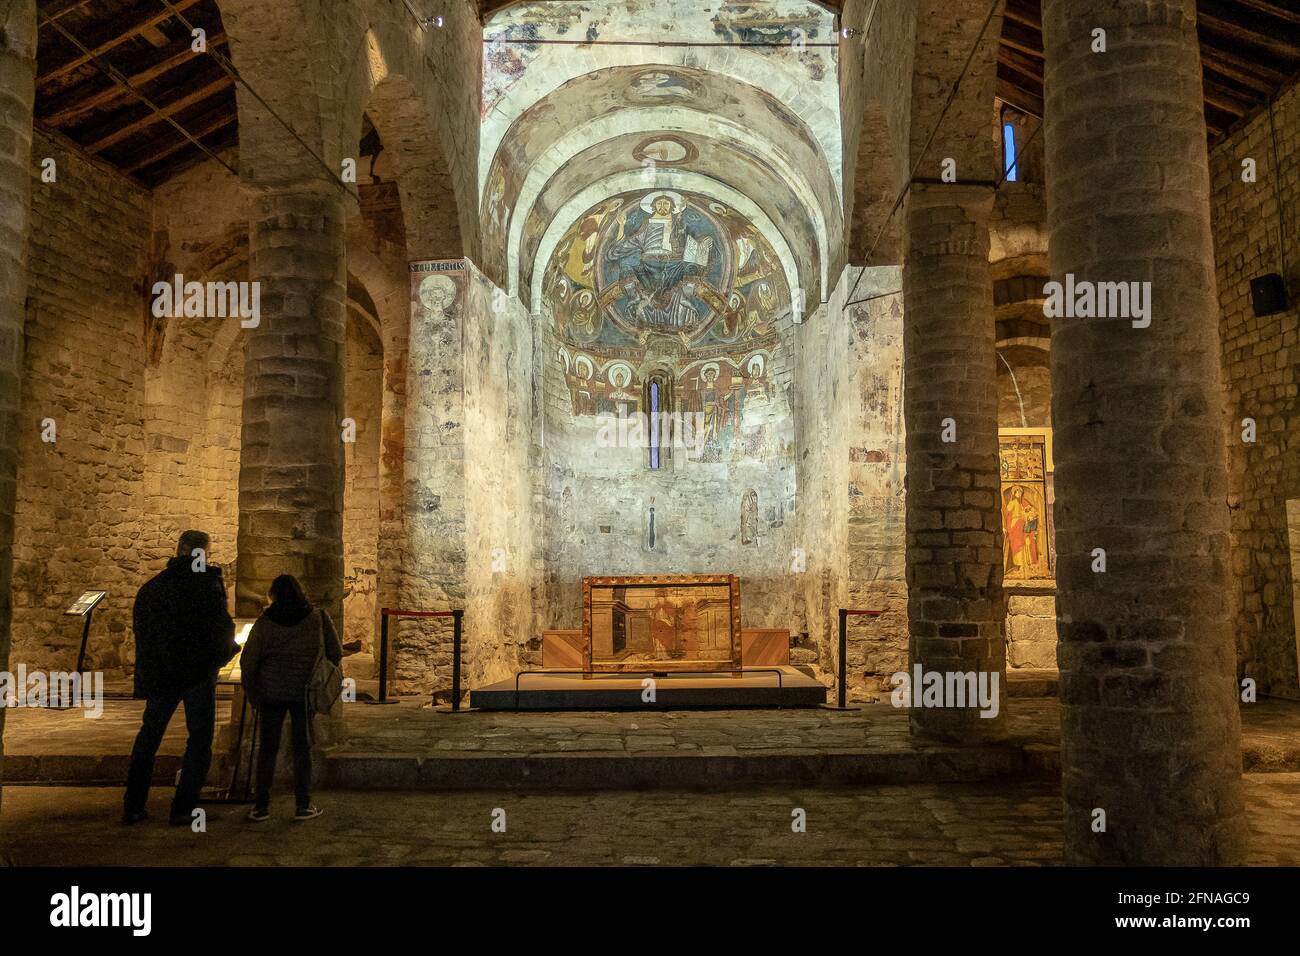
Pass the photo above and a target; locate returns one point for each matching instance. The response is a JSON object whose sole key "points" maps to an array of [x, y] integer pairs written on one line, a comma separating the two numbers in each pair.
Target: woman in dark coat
{"points": [[276, 667]]}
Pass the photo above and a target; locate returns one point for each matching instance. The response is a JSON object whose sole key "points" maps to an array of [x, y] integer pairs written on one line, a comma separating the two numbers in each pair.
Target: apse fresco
{"points": [[662, 261], [660, 277]]}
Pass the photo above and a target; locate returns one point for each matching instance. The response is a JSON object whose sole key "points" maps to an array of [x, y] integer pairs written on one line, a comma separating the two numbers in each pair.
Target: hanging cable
{"points": [[1016, 385]]}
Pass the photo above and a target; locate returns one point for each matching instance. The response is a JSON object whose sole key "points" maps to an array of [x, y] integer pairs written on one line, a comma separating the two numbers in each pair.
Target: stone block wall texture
{"points": [[500, 527], [194, 372], [78, 521], [363, 388], [956, 605], [1261, 368], [291, 472], [469, 486], [877, 504], [1150, 723], [17, 90], [851, 467], [823, 364], [875, 106]]}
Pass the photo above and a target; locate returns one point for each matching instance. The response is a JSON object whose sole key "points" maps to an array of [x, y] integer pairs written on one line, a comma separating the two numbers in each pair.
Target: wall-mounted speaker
{"points": [[1268, 294]]}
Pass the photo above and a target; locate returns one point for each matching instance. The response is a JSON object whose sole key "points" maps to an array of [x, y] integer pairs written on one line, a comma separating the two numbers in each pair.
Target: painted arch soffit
{"points": [[619, 97], [783, 196], [519, 76]]}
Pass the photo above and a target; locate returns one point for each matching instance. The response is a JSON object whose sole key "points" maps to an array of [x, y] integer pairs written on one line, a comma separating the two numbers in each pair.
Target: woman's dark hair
{"points": [[287, 595]]}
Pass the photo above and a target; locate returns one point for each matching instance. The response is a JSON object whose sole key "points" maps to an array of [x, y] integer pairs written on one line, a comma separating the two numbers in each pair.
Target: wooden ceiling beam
{"points": [[1250, 30], [119, 36], [1024, 15], [1231, 68], [1013, 94], [187, 160], [171, 108], [1023, 40], [1029, 68], [1271, 9], [53, 9], [205, 126], [75, 103], [1225, 99]]}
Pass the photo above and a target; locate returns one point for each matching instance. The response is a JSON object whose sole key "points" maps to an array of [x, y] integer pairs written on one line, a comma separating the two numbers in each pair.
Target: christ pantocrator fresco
{"points": [[661, 261], [657, 272]]}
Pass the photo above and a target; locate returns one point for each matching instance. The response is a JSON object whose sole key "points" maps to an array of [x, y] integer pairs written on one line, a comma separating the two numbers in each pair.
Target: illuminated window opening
{"points": [[1009, 151]]}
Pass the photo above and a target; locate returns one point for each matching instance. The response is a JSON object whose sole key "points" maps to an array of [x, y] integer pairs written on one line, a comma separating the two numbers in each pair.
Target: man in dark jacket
{"points": [[183, 636]]}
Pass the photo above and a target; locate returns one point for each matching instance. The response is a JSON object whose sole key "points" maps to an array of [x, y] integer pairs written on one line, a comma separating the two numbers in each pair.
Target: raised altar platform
{"points": [[757, 687], [681, 630]]}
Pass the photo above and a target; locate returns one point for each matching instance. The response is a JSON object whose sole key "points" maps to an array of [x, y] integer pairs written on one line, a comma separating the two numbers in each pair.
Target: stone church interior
{"points": [[673, 404]]}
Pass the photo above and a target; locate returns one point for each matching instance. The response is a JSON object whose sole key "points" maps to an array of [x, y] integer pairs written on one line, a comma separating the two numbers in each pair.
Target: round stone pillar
{"points": [[17, 90], [955, 605], [291, 464], [1151, 755]]}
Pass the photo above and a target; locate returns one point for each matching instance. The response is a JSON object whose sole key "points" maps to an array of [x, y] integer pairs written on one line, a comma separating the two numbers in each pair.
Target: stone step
{"points": [[587, 771], [99, 769], [1027, 682]]}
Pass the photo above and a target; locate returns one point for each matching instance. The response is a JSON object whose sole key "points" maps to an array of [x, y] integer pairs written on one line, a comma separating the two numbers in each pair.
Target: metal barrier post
{"points": [[383, 655], [455, 659], [844, 654]]}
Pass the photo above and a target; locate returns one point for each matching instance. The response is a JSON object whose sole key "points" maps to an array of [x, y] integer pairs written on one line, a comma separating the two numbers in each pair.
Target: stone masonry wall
{"points": [[850, 478], [17, 89], [1261, 366], [499, 525], [363, 403], [77, 518]]}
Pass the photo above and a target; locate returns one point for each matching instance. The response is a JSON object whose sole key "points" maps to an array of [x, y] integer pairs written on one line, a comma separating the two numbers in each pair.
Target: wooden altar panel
{"points": [[563, 648], [651, 623], [765, 647]]}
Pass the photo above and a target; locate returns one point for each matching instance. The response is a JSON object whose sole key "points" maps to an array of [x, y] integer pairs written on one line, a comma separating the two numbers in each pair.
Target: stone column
{"points": [[291, 464], [1150, 727], [955, 605], [17, 91], [392, 470]]}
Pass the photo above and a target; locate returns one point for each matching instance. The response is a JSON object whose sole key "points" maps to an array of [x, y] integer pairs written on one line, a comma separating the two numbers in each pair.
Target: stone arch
{"points": [[746, 67], [759, 130], [601, 141], [401, 110], [363, 387]]}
